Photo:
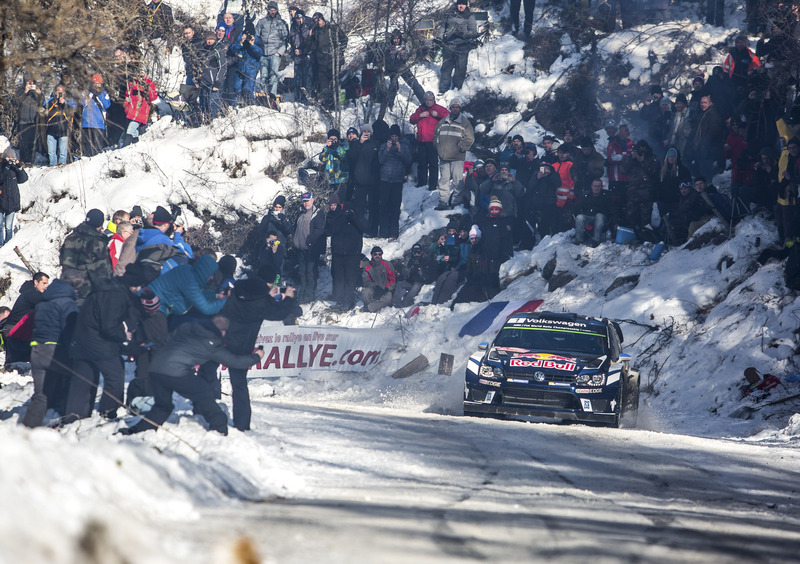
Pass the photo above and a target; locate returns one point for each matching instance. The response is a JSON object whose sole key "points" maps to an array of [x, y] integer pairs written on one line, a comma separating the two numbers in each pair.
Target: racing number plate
{"points": [[587, 404]]}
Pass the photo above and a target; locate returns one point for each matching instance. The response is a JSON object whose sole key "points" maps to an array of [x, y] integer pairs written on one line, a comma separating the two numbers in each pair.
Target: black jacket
{"points": [[99, 332], [593, 205], [345, 227], [363, 160], [11, 176], [192, 344], [55, 315], [247, 308], [419, 270], [29, 296]]}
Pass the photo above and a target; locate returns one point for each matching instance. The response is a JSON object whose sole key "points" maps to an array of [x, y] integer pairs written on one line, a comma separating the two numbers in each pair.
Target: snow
{"points": [[693, 321]]}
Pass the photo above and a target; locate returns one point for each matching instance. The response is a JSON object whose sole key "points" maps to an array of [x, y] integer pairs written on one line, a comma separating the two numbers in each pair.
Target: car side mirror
{"points": [[483, 346], [625, 357]]}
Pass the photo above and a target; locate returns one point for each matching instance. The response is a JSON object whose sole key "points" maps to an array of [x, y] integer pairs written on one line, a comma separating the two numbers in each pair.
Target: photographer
{"points": [[272, 253], [394, 157], [58, 113], [11, 175], [334, 157], [249, 51], [29, 105]]}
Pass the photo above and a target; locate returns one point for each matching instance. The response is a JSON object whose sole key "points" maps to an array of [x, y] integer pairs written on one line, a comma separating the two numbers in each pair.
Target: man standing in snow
{"points": [[309, 240], [86, 250], [452, 137], [15, 325], [93, 125], [274, 34], [426, 118], [457, 33]]}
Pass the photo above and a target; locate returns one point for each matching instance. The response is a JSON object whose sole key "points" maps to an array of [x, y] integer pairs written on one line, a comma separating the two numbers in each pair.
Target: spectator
{"points": [[453, 137], [274, 34], [505, 188], [526, 167], [105, 323], [364, 193], [93, 125], [184, 288], [328, 43], [345, 227], [496, 233], [426, 117], [458, 33], [58, 114], [650, 114], [569, 144], [691, 213], [565, 194], [124, 231], [167, 237], [643, 171], [211, 75], [11, 176], [272, 253], [478, 285], [309, 241], [740, 63], [138, 102], [16, 328], [276, 221], [619, 147], [588, 165], [529, 6], [191, 46], [378, 282], [54, 322], [252, 302], [596, 211], [334, 157], [300, 44], [250, 54], [418, 270], [190, 345], [763, 187], [673, 174], [680, 127], [394, 158], [29, 106], [549, 156], [447, 253], [787, 188], [86, 250], [708, 139], [151, 334], [395, 57]]}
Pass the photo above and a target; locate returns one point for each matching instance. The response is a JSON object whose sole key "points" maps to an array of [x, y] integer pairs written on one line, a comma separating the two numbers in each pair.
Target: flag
{"points": [[491, 318]]}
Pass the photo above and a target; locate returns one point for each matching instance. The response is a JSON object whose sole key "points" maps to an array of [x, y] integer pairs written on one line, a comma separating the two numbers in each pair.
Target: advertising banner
{"points": [[290, 350]]}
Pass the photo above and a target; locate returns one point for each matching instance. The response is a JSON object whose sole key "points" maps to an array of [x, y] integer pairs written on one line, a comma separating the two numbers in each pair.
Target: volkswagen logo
{"points": [[539, 376]]}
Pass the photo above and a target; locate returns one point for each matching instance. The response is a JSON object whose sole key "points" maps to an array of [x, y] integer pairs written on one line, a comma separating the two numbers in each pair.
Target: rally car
{"points": [[557, 365]]}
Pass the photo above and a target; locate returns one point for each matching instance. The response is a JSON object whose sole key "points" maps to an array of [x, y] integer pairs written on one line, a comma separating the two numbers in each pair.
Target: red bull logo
{"points": [[541, 360]]}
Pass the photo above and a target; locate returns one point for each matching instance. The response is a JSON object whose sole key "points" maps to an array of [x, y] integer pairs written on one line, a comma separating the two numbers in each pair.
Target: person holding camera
{"points": [[334, 157], [272, 253], [93, 123], [11, 176], [394, 157], [249, 52], [29, 105], [300, 43], [85, 250], [58, 114]]}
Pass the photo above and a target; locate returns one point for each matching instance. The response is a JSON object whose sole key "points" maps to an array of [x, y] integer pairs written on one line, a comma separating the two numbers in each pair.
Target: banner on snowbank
{"points": [[290, 350]]}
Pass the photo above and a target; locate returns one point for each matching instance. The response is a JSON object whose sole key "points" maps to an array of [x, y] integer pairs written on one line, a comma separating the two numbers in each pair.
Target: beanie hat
{"points": [[136, 211], [135, 275], [97, 78], [518, 138], [429, 94], [699, 78], [298, 12], [220, 27], [656, 89], [416, 247], [475, 231], [673, 152], [210, 35], [161, 216], [495, 203], [479, 163], [306, 197], [700, 178], [272, 4], [150, 301], [682, 99], [10, 153], [686, 184], [352, 130], [334, 133], [366, 127], [334, 199], [609, 123], [279, 201], [665, 101], [376, 249], [490, 161], [455, 101], [227, 266], [548, 138], [95, 218], [793, 141], [395, 130], [318, 16]]}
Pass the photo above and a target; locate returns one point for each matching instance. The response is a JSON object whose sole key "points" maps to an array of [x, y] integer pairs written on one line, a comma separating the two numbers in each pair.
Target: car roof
{"points": [[555, 320]]}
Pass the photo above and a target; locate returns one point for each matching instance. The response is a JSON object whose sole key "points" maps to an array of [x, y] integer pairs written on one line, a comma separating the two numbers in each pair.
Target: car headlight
{"points": [[591, 379], [487, 371], [598, 379]]}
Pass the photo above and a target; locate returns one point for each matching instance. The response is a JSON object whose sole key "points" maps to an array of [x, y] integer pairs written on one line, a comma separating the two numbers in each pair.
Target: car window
{"points": [[548, 340]]}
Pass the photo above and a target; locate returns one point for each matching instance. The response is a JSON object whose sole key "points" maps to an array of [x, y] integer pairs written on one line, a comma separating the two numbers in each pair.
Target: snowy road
{"points": [[394, 486]]}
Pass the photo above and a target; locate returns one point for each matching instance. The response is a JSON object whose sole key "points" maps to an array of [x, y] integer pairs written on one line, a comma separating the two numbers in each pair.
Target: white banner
{"points": [[290, 350]]}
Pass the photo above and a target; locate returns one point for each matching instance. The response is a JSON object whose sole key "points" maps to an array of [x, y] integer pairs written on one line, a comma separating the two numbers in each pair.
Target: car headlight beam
{"points": [[488, 371]]}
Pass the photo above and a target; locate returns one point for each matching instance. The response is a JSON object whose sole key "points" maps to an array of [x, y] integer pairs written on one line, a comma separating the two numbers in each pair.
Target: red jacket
{"points": [[566, 191], [615, 152], [427, 125], [115, 248], [141, 91]]}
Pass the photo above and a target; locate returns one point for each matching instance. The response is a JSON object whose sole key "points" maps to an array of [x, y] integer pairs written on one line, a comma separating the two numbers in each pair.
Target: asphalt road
{"points": [[394, 486]]}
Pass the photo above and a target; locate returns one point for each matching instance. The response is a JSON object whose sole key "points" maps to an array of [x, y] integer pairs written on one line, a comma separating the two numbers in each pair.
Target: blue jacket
{"points": [[54, 317], [393, 162], [248, 56], [94, 111], [151, 236], [184, 287]]}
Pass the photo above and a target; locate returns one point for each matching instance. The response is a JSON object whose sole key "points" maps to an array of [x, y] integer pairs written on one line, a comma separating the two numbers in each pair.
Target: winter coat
{"points": [[541, 192], [274, 34], [680, 129], [565, 193], [192, 344], [11, 175], [643, 178], [394, 161], [419, 270], [191, 57], [426, 126], [150, 236], [56, 313], [100, 328], [616, 151], [739, 64], [459, 30], [300, 40], [710, 135], [248, 56], [670, 179], [94, 110], [274, 258], [213, 65], [126, 256], [314, 240], [278, 223], [157, 19], [115, 249], [247, 308], [507, 191], [184, 287], [453, 137], [498, 240], [141, 92], [335, 160], [381, 275], [585, 169], [452, 252], [58, 116], [322, 44], [345, 227], [28, 297], [593, 205], [29, 105], [86, 249], [363, 162]]}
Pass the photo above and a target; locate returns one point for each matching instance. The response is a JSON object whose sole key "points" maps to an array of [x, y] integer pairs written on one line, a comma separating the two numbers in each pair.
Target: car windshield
{"points": [[588, 341]]}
